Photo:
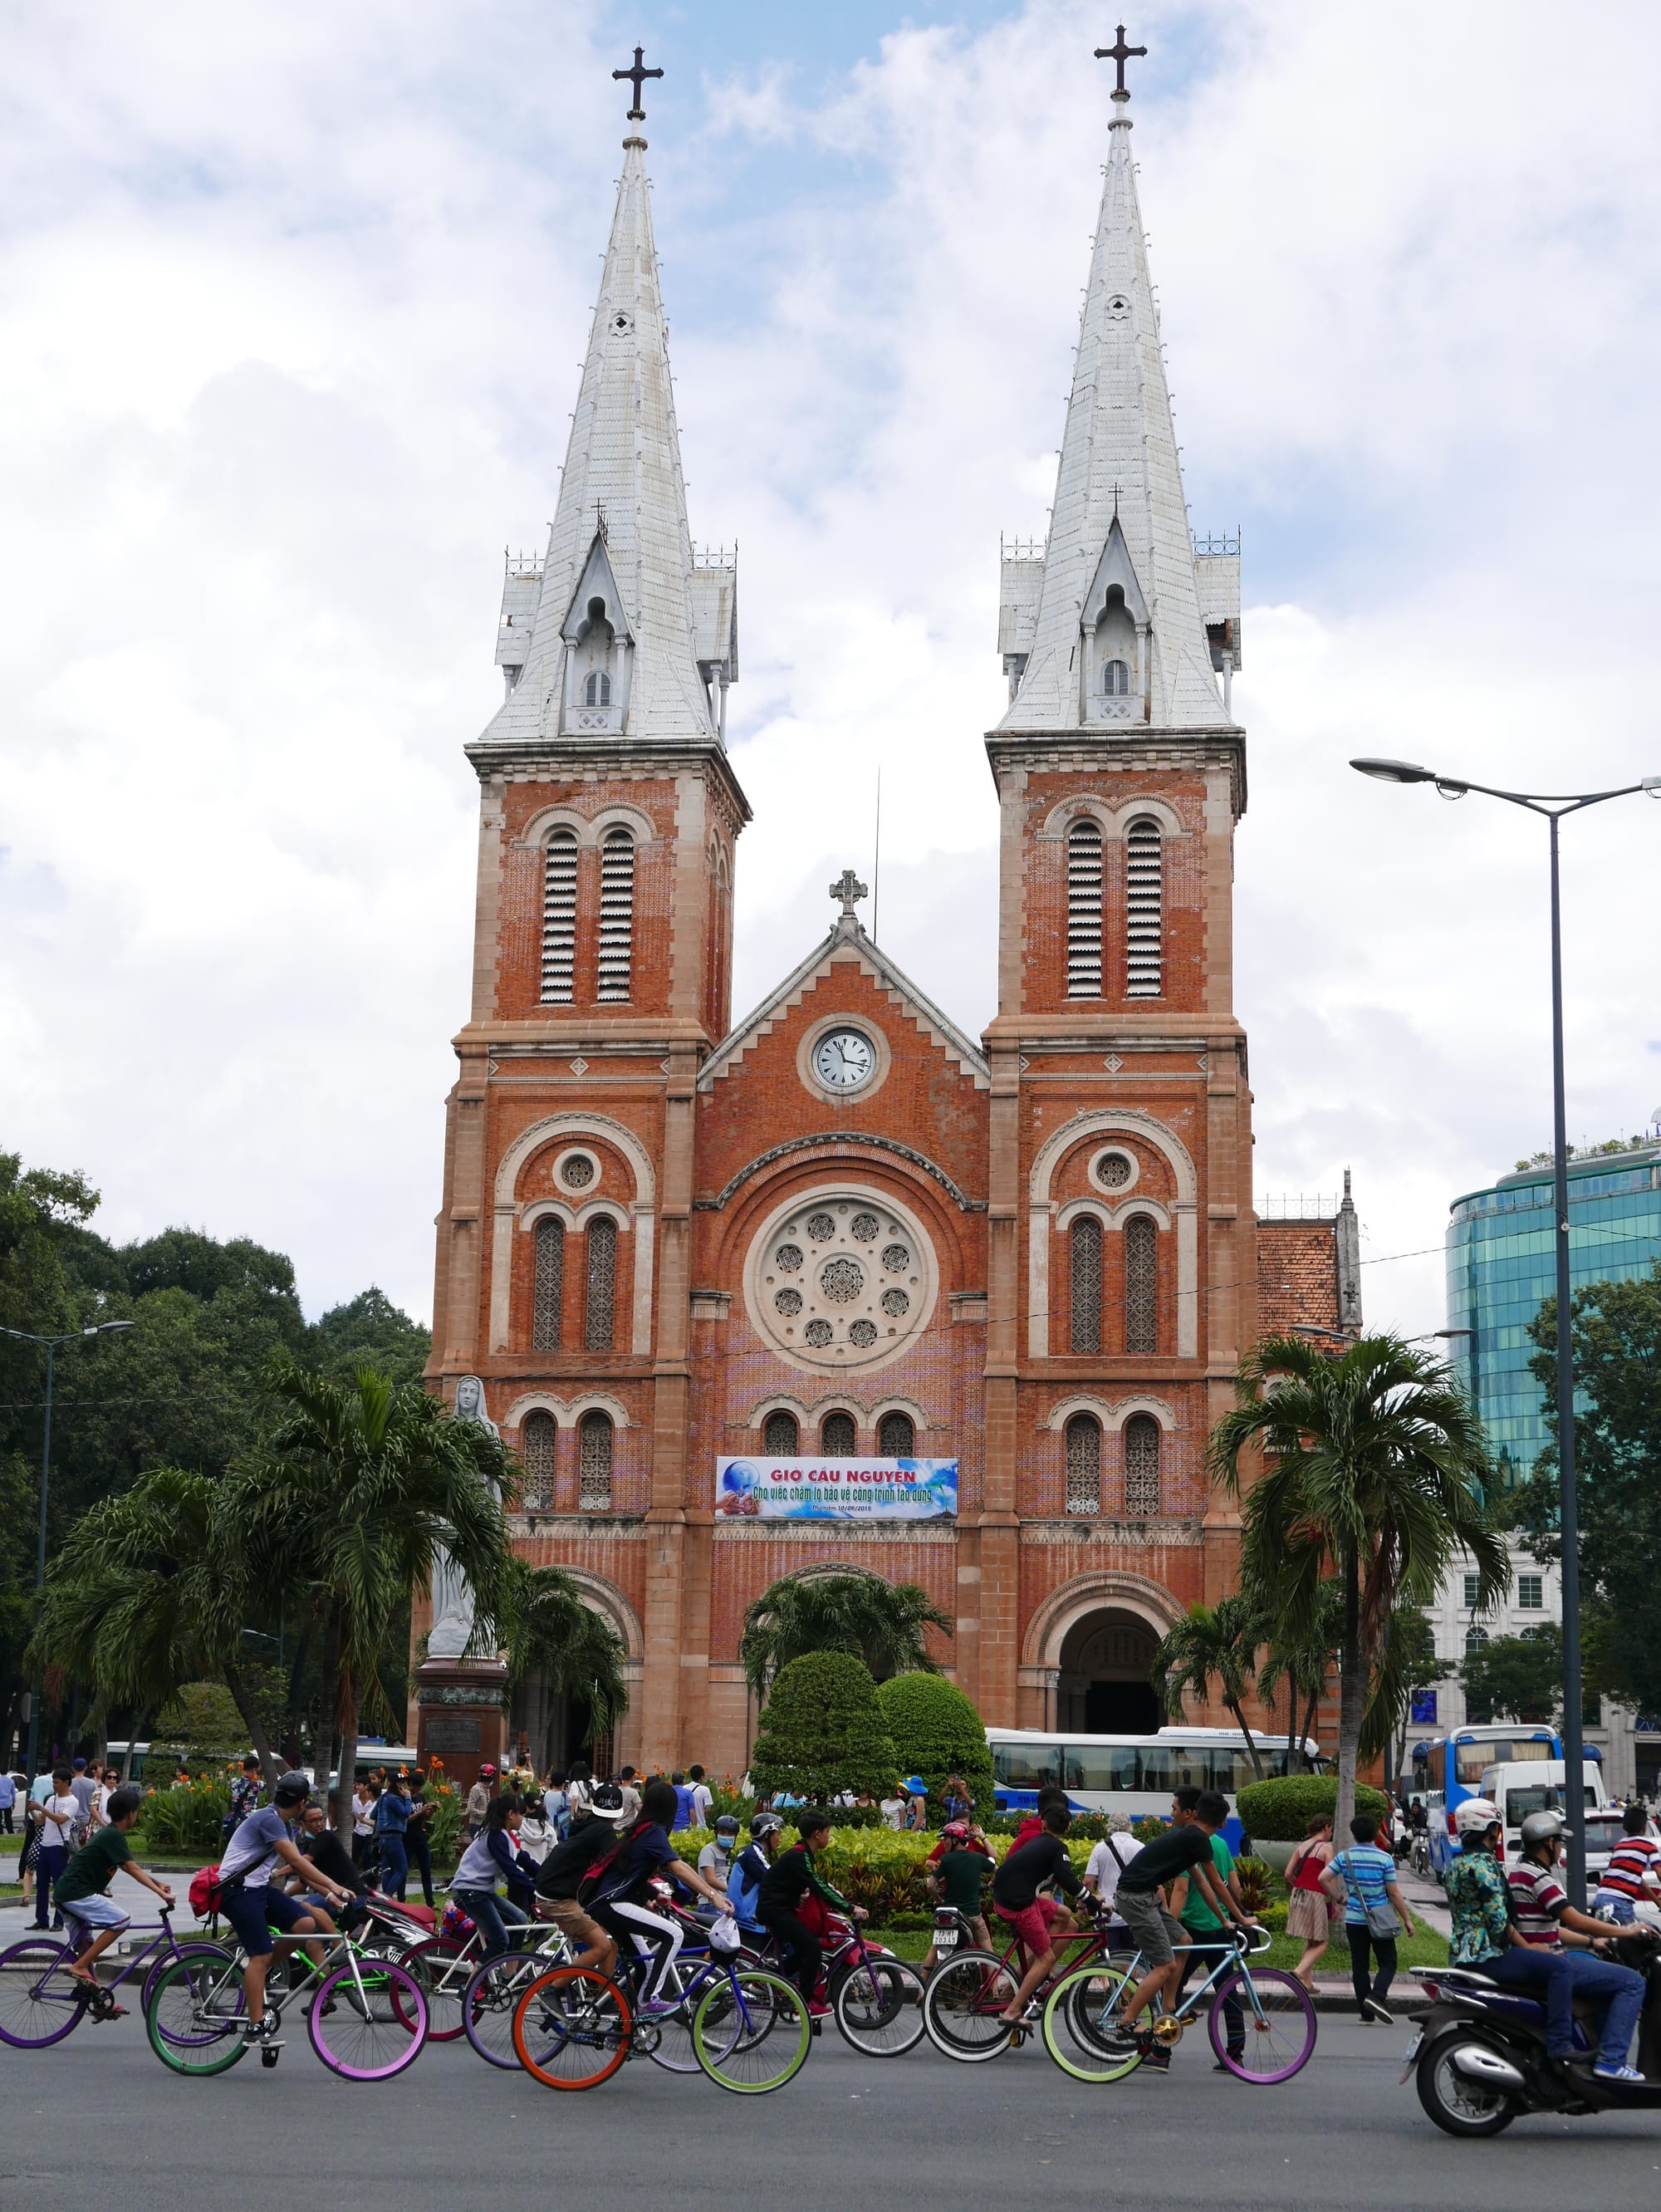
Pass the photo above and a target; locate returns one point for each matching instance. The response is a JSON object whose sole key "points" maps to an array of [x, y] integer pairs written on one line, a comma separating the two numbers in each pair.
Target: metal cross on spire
{"points": [[848, 888], [638, 76], [1118, 53]]}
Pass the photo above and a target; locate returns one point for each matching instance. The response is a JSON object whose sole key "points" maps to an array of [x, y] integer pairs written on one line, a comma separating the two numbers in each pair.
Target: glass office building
{"points": [[1501, 1262]]}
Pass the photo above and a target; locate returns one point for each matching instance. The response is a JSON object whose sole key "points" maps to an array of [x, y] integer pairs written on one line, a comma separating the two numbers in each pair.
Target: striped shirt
{"points": [[1365, 1870], [1536, 1899], [1632, 1858]]}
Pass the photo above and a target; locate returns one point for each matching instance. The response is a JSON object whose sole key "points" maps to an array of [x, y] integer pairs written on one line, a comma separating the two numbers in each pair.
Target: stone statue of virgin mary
{"points": [[452, 1598]]}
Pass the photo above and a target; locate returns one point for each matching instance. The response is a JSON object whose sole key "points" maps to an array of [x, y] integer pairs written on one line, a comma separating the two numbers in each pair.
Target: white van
{"points": [[1535, 1785]]}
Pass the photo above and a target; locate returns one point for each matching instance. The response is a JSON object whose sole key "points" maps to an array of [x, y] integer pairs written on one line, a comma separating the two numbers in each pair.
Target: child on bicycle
{"points": [[83, 1890]]}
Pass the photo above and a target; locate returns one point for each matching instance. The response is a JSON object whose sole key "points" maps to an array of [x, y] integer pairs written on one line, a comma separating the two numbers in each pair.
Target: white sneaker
{"points": [[1616, 2074]]}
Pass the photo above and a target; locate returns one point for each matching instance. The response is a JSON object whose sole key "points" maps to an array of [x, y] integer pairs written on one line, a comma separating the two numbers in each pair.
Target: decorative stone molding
{"points": [[1097, 1590], [506, 1211], [729, 1531], [1124, 1120], [1141, 1534], [841, 1138]]}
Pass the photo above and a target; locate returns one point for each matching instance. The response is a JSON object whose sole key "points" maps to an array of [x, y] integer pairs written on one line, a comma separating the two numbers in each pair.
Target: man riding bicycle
{"points": [[254, 1908]]}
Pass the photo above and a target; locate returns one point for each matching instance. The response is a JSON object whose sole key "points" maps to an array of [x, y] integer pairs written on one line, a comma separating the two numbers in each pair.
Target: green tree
{"points": [[547, 1630], [1516, 1677], [937, 1732], [148, 1593], [881, 1623], [1301, 1653], [1617, 1333], [1211, 1642], [1376, 1470], [823, 1732], [357, 1489], [368, 1331]]}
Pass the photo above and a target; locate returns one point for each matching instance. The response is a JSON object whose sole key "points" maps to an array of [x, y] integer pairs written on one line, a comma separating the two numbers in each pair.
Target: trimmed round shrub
{"points": [[937, 1731], [823, 1732], [1279, 1812]]}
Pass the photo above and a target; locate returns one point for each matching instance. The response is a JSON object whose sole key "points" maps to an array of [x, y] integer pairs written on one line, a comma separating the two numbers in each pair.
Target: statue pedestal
{"points": [[461, 1716]]}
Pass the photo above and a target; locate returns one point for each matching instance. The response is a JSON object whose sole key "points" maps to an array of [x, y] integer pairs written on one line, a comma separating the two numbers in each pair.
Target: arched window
{"points": [[594, 1463], [1475, 1639], [600, 1304], [1144, 894], [1084, 1464], [547, 1308], [1141, 1468], [597, 691], [616, 914], [536, 1450], [1084, 909], [1116, 678], [1084, 1240], [781, 1439], [1141, 1284], [896, 1436], [837, 1437], [558, 917]]}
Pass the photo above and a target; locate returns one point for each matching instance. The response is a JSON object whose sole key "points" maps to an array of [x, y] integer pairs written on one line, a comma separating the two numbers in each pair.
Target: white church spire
{"points": [[616, 641], [1108, 631]]}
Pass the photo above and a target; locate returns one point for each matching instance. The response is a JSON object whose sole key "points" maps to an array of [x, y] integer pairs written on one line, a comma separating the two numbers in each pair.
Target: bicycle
{"points": [[1083, 2030], [41, 2002], [446, 1966], [494, 1988], [967, 1995], [195, 2018]]}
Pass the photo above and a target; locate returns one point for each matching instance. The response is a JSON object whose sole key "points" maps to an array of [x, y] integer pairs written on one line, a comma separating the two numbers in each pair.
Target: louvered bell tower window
{"points": [[616, 914], [1084, 910], [1083, 1465], [1084, 1246], [600, 1313], [1144, 920], [1140, 1283], [536, 1450], [594, 1463], [558, 919], [1141, 1468], [549, 1299]]}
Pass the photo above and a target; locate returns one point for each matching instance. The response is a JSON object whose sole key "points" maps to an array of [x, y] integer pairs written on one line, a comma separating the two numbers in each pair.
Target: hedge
{"points": [[1279, 1812], [937, 1732], [823, 1732]]}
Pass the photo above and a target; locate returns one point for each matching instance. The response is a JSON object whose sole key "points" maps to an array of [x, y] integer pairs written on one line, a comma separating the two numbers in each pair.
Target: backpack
{"points": [[608, 1863], [456, 1924], [575, 1856], [207, 1890]]}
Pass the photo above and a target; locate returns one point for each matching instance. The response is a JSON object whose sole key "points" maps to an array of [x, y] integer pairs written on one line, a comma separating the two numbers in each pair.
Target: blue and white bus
{"points": [[1134, 1774], [1448, 1769]]}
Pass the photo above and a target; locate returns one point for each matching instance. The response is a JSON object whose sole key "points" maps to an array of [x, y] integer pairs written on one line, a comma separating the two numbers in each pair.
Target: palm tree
{"points": [[149, 1591], [881, 1623], [547, 1630], [1210, 1641], [1377, 1471], [1302, 1654], [359, 1487]]}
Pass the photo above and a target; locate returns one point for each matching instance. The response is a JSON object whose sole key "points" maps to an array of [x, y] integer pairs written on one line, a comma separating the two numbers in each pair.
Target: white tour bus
{"points": [[1134, 1774]]}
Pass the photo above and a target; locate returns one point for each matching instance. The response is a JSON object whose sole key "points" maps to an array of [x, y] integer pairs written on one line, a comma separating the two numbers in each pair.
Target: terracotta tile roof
{"points": [[1297, 1275]]}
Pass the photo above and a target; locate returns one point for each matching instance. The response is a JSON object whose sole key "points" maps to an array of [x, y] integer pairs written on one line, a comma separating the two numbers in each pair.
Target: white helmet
{"points": [[1473, 1814]]}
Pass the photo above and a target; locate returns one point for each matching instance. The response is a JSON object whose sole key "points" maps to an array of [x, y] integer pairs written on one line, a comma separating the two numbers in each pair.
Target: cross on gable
{"points": [[638, 76], [1118, 53], [848, 888]]}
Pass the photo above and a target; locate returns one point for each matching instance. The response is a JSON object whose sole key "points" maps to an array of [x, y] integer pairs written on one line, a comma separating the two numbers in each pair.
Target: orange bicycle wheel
{"points": [[572, 2028]]}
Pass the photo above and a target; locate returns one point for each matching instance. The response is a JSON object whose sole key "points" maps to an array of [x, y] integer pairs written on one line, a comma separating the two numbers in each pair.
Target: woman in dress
{"points": [[1309, 1914]]}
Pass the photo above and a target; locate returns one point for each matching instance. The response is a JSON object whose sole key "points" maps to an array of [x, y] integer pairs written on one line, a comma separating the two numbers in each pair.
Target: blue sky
{"points": [[292, 301]]}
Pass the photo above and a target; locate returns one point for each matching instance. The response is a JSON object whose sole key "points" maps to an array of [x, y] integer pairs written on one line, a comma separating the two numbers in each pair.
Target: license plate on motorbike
{"points": [[945, 1939], [1412, 2053]]}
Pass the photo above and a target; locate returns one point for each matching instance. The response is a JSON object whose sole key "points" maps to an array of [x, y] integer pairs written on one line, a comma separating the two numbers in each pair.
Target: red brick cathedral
{"points": [[844, 1227]]}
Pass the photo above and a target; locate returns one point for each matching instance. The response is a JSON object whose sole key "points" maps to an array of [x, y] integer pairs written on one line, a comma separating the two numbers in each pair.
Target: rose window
{"points": [[577, 1172], [843, 1279], [1112, 1170]]}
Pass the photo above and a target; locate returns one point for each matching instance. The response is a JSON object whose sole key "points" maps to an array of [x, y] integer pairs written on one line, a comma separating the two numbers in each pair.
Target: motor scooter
{"points": [[1479, 2058]]}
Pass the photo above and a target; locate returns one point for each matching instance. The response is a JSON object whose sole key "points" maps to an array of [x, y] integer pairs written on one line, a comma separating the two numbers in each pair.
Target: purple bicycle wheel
{"points": [[1277, 2031], [39, 2004], [367, 2021], [182, 1951]]}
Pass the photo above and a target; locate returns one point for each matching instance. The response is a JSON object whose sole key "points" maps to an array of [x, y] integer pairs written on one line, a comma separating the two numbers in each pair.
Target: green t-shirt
{"points": [[1196, 1911], [961, 1875], [90, 1871]]}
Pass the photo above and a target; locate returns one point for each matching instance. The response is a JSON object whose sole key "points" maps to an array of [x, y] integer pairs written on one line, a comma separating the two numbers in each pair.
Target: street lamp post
{"points": [[51, 1343], [1554, 806]]}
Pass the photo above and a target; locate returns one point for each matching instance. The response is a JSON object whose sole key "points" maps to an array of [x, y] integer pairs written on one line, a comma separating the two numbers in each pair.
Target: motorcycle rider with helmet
{"points": [[1485, 1933], [1544, 1916]]}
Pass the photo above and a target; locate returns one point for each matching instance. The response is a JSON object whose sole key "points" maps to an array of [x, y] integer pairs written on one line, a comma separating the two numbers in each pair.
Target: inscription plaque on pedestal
{"points": [[451, 1732]]}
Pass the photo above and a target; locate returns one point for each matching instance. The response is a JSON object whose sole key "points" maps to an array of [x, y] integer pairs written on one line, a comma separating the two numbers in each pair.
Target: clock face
{"points": [[843, 1060]]}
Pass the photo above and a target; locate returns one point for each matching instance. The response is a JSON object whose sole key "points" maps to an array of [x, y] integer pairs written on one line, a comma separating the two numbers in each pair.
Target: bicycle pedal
{"points": [[268, 2055]]}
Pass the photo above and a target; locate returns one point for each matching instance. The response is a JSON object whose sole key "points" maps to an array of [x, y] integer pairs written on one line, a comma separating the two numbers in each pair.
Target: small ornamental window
{"points": [[1112, 1170], [896, 1436], [788, 1302], [1140, 1283], [536, 1450], [577, 1171], [1115, 679], [865, 1226], [594, 1463], [600, 1318], [550, 1293], [1142, 1442], [787, 1259], [1083, 1465], [838, 1438], [897, 1259], [781, 1439], [1084, 1335], [821, 1227], [842, 1280]]}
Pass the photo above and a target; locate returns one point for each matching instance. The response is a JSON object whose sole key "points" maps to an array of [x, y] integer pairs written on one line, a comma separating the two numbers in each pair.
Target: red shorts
{"points": [[1032, 1921]]}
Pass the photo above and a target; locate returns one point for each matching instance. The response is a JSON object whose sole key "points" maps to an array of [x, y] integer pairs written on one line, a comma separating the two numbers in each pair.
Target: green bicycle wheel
{"points": [[1080, 2020], [751, 2032], [194, 2018]]}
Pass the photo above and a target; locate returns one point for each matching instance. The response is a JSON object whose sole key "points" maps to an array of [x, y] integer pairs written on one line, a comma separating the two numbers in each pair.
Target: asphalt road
{"points": [[96, 2121]]}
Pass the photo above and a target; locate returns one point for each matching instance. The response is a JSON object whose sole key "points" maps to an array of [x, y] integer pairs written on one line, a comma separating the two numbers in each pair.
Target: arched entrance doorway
{"points": [[1103, 1687], [553, 1725]]}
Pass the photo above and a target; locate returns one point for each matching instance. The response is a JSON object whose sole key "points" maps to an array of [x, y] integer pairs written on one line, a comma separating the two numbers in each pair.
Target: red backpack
{"points": [[207, 1892]]}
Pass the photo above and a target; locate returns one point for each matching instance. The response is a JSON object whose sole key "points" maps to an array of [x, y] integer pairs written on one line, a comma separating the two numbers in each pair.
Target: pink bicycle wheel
{"points": [[1262, 2027], [367, 2021]]}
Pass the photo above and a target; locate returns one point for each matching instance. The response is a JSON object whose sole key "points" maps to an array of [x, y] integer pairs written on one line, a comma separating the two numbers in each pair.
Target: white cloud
{"points": [[293, 303]]}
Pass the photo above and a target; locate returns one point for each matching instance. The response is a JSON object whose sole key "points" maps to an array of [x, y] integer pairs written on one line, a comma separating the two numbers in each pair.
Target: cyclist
{"points": [[328, 1855], [492, 1854], [745, 1876], [715, 1860], [263, 1843], [560, 1877], [621, 1907], [1204, 1925], [1158, 1934], [1018, 1896], [792, 1878], [83, 1887]]}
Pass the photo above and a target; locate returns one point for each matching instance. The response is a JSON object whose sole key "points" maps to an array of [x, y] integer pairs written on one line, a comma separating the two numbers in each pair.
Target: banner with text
{"points": [[837, 1489]]}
